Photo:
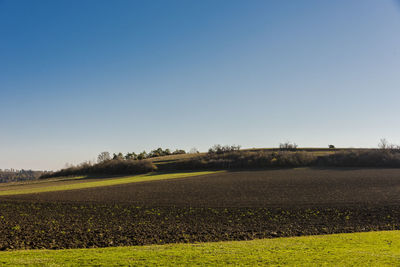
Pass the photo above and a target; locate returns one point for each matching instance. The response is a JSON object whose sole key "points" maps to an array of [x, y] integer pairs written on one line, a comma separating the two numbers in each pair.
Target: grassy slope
{"points": [[59, 186], [364, 249]]}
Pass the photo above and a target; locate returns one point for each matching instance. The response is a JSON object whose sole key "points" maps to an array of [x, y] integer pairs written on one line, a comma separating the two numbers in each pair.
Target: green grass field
{"points": [[362, 249], [61, 185]]}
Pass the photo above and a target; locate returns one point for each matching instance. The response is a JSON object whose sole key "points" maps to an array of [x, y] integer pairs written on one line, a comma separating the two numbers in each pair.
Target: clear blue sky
{"points": [[81, 77]]}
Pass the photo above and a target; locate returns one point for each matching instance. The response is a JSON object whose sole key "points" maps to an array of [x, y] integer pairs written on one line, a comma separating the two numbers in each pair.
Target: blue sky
{"points": [[81, 77]]}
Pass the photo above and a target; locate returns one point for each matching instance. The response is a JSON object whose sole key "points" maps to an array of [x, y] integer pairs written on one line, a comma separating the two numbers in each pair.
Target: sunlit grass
{"points": [[360, 249], [106, 182]]}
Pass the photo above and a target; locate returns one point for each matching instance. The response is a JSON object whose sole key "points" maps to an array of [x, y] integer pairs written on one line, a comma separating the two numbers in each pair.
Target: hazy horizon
{"points": [[81, 77]]}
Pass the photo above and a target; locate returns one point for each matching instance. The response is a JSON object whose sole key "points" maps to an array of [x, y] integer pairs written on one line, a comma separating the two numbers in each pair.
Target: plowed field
{"points": [[272, 188], [223, 206]]}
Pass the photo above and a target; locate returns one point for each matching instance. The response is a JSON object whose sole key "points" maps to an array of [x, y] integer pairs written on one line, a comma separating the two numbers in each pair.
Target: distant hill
{"points": [[19, 175], [233, 158]]}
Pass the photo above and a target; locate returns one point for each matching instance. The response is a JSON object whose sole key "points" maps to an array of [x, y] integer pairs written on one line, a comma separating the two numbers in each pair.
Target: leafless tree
{"points": [[193, 151], [103, 156], [288, 146], [383, 144]]}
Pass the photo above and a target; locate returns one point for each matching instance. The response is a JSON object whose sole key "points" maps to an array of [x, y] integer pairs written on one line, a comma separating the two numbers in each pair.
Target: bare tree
{"points": [[383, 144], [194, 151], [68, 165], [103, 156], [288, 146]]}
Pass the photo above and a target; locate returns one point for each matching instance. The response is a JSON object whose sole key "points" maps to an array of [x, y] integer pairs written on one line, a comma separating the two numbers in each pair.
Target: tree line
{"points": [[159, 152], [19, 175]]}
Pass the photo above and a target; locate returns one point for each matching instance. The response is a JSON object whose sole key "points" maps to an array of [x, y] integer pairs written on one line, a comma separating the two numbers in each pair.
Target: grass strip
{"points": [[361, 249]]}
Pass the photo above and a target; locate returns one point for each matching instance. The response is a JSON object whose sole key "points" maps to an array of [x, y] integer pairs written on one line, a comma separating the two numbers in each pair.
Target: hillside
{"points": [[232, 158]]}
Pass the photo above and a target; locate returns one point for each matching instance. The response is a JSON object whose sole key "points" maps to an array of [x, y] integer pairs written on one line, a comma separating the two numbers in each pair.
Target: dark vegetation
{"points": [[223, 206], [362, 158], [244, 160], [289, 155], [118, 164], [108, 167], [288, 159], [19, 175]]}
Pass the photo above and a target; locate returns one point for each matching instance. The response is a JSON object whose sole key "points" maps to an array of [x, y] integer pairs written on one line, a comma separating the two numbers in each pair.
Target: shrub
{"points": [[179, 151]]}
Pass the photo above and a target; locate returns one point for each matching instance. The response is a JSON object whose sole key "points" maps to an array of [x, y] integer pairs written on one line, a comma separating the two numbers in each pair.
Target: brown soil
{"points": [[271, 188], [228, 206]]}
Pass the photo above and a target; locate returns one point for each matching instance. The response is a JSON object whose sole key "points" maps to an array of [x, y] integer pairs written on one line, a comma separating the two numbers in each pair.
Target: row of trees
{"points": [[18, 175], [216, 149], [105, 156], [219, 149]]}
